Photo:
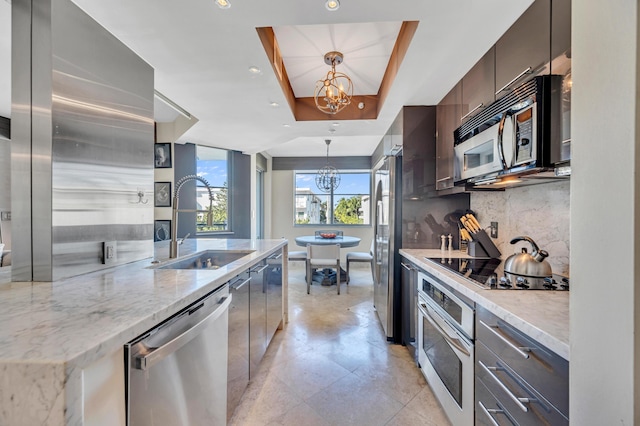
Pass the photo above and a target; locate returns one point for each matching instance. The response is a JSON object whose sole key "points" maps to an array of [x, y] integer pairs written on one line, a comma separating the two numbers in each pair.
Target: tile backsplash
{"points": [[538, 211]]}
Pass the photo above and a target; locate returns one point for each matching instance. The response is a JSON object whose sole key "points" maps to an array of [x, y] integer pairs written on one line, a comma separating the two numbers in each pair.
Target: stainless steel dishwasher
{"points": [[177, 372]]}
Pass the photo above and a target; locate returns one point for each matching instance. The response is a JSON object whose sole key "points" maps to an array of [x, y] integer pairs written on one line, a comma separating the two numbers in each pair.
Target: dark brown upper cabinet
{"points": [[448, 113], [479, 86], [523, 51]]}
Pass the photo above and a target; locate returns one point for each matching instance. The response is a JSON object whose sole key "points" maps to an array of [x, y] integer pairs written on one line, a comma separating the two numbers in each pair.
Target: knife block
{"points": [[474, 249], [484, 241]]}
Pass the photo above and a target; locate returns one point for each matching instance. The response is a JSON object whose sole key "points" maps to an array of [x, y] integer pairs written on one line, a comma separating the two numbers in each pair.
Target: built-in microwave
{"points": [[520, 133]]}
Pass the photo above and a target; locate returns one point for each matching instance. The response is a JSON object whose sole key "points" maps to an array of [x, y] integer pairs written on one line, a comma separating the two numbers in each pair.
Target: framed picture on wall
{"points": [[162, 152], [162, 230], [162, 194]]}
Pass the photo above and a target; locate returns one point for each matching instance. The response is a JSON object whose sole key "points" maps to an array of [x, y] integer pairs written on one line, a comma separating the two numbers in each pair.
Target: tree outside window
{"points": [[351, 200], [213, 165]]}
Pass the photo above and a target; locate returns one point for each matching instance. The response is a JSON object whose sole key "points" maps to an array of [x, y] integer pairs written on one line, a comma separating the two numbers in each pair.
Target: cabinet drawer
{"points": [[489, 410], [539, 367], [523, 403]]}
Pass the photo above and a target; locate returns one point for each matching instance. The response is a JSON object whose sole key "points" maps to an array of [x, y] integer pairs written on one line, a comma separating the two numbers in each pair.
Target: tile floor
{"points": [[331, 365]]}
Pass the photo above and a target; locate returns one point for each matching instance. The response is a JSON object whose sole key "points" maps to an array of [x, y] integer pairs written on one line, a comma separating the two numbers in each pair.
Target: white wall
{"points": [[282, 216], [540, 211], [604, 375]]}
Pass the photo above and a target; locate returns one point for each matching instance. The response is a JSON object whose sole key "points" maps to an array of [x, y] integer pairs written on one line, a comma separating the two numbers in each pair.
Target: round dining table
{"points": [[344, 241]]}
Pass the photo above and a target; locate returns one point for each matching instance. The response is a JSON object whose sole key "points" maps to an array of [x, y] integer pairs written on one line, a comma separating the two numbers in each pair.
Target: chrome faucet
{"points": [[173, 247]]}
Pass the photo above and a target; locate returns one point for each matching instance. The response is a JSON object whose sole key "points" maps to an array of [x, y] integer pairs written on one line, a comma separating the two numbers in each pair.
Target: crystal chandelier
{"points": [[334, 92], [328, 177]]}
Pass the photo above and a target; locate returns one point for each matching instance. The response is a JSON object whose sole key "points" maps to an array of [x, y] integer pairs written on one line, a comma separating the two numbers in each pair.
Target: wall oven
{"points": [[445, 346]]}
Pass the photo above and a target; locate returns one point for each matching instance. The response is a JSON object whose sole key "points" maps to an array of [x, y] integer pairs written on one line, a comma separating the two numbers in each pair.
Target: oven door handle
{"points": [[424, 309]]}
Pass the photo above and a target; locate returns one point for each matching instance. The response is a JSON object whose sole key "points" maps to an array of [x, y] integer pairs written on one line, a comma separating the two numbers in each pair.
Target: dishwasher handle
{"points": [[145, 362]]}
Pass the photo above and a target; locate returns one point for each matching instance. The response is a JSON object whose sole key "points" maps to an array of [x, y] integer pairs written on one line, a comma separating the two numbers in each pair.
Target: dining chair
{"points": [[360, 256], [323, 256], [298, 255]]}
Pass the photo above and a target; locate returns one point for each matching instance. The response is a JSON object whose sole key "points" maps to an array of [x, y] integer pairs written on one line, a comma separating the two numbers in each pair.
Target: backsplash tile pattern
{"points": [[539, 211]]}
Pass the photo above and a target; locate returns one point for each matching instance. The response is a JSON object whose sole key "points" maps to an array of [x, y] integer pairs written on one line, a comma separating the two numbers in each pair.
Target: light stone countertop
{"points": [[543, 315], [66, 325]]}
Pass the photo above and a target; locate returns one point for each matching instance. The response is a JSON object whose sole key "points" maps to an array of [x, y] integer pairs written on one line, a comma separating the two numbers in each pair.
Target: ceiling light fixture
{"points": [[332, 5], [274, 104], [328, 177], [223, 4], [334, 92], [254, 70]]}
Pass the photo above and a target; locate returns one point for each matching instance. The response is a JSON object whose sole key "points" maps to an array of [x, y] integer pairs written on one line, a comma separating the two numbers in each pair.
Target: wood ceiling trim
{"points": [[268, 37], [304, 109], [405, 35]]}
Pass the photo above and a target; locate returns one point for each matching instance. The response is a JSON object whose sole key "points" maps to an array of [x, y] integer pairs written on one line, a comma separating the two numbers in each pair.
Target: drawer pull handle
{"points": [[443, 179], [488, 411], [405, 266], [516, 78], [519, 401], [493, 329]]}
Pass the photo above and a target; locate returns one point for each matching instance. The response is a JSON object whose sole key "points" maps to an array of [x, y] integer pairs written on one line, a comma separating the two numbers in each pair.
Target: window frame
{"points": [[296, 172], [200, 185]]}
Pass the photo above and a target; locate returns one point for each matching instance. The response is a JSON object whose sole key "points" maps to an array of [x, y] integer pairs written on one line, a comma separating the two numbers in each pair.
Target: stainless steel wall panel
{"points": [[87, 144], [102, 144], [21, 140], [41, 63]]}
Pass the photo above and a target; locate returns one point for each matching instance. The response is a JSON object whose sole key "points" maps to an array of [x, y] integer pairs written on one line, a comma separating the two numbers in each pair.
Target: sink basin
{"points": [[208, 259]]}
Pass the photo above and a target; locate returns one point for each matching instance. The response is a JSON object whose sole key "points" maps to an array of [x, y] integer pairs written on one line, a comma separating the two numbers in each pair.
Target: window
{"points": [[349, 204], [212, 164]]}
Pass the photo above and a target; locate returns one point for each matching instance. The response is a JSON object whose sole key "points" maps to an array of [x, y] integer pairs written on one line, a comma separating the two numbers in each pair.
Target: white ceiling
{"points": [[201, 55], [366, 49]]}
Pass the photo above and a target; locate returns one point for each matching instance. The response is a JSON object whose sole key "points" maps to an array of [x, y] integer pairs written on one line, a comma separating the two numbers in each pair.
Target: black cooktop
{"points": [[490, 274]]}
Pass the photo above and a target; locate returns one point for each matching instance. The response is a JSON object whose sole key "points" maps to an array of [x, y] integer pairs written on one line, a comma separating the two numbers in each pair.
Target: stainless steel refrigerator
{"points": [[388, 223]]}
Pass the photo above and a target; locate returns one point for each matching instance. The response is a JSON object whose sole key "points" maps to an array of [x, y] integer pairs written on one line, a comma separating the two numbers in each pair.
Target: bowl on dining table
{"points": [[327, 235]]}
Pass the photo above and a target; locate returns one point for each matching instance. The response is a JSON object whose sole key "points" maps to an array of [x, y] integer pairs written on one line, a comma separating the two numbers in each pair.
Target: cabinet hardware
{"points": [[472, 111], [488, 411], [521, 350], [242, 284], [519, 401], [405, 266], [506, 86], [443, 179]]}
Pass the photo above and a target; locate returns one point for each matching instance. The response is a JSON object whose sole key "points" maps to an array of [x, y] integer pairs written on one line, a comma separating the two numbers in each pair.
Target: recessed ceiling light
{"points": [[331, 130], [225, 4], [335, 124], [286, 125], [332, 5], [274, 104], [254, 70]]}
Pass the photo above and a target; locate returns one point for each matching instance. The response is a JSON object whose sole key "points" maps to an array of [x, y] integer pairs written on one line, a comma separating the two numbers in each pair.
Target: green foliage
{"points": [[220, 201], [219, 212], [323, 212], [346, 211]]}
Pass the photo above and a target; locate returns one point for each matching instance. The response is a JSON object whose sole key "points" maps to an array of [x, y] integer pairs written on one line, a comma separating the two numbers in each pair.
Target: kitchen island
{"points": [[542, 315], [61, 342]]}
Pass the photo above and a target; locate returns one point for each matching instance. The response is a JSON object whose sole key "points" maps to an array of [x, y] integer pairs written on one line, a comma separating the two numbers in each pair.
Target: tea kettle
{"points": [[525, 264]]}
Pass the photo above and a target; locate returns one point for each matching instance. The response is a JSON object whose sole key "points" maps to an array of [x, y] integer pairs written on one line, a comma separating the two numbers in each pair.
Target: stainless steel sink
{"points": [[208, 259]]}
